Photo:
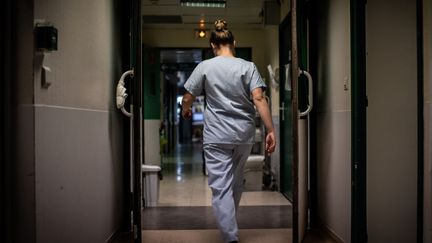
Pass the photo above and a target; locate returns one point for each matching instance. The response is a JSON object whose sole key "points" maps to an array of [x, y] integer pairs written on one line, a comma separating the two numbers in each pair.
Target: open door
{"points": [[304, 103], [286, 108], [132, 108], [296, 103], [137, 135]]}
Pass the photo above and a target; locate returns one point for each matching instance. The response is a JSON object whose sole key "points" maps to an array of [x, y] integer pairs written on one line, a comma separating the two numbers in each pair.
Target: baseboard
{"points": [[332, 234], [119, 236], [113, 236]]}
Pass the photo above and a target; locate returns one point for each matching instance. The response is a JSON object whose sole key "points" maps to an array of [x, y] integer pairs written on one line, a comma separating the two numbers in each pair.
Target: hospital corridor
{"points": [[154, 121]]}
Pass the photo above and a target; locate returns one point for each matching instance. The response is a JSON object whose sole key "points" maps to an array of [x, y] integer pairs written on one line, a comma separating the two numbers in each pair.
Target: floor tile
{"points": [[188, 218], [213, 236], [184, 184]]}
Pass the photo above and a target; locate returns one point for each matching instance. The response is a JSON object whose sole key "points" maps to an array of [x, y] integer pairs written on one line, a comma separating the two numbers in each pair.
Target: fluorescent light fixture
{"points": [[203, 3]]}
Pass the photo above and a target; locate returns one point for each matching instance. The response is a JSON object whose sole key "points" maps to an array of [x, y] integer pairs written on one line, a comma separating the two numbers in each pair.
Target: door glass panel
{"points": [[286, 108]]}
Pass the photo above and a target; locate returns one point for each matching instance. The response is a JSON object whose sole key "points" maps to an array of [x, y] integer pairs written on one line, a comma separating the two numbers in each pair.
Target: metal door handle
{"points": [[310, 93], [283, 111], [121, 93], [287, 77]]}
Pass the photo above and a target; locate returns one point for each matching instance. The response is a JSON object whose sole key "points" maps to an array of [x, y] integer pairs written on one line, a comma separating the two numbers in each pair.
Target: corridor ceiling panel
{"points": [[238, 13]]}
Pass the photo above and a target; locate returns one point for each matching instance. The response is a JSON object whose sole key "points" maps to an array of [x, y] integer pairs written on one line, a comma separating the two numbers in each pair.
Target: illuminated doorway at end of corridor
{"points": [[184, 177]]}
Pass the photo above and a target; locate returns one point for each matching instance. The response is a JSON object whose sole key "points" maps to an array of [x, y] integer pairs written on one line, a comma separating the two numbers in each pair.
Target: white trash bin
{"points": [[253, 173], [150, 185]]}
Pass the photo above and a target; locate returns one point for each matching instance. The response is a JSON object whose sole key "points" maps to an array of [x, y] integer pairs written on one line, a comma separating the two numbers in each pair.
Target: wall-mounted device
{"points": [[46, 41], [274, 76], [46, 36]]}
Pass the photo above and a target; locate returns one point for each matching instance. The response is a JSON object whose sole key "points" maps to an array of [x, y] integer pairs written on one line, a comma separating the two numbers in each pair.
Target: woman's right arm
{"points": [[187, 101]]}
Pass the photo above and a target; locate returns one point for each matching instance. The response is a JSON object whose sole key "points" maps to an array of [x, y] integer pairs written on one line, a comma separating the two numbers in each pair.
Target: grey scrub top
{"points": [[228, 83]]}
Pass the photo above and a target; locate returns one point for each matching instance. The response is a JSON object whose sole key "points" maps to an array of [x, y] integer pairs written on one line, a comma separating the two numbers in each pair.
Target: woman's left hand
{"points": [[270, 142]]}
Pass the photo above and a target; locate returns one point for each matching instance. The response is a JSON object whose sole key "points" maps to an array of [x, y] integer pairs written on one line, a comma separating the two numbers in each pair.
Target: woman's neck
{"points": [[225, 51]]}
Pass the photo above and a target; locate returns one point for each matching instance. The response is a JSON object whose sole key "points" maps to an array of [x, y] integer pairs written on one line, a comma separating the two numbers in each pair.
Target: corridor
{"points": [[94, 148]]}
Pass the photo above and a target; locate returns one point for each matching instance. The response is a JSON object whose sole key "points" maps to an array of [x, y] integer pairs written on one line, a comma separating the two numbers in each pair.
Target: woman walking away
{"points": [[232, 87]]}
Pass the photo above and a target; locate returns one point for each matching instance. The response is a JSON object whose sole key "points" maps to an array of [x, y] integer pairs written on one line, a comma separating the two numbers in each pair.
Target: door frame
{"points": [[359, 104], [124, 12], [138, 134], [6, 123], [420, 122], [313, 116], [285, 23], [358, 121], [291, 21], [295, 117]]}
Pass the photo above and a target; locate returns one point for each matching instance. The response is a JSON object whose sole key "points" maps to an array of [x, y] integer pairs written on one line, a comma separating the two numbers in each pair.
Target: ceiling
{"points": [[238, 13]]}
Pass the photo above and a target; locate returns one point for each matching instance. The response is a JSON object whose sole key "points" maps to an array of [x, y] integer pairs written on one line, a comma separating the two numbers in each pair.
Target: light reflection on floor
{"points": [[184, 183]]}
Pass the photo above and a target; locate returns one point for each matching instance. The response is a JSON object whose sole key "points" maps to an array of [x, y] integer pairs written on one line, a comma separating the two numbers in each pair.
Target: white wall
{"points": [[152, 154], [427, 40], [391, 121], [334, 117], [78, 131]]}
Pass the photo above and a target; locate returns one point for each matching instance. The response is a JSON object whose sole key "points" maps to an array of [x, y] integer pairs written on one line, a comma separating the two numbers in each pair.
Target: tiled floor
{"points": [[200, 218], [213, 236], [184, 193], [246, 236], [184, 184], [194, 191]]}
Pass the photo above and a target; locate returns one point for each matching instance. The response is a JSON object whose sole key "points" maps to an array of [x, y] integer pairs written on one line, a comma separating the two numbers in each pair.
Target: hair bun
{"points": [[220, 25]]}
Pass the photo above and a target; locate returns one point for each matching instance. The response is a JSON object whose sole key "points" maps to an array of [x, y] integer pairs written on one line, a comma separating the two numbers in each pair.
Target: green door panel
{"points": [[151, 83]]}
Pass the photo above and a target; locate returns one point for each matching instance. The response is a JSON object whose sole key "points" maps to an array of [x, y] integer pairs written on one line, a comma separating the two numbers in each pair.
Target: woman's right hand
{"points": [[187, 114]]}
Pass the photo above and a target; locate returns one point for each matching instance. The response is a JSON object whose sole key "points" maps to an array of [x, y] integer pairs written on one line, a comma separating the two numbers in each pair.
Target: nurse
{"points": [[232, 87]]}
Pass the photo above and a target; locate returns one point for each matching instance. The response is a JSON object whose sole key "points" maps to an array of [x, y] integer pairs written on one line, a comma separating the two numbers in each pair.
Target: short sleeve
{"points": [[195, 82], [256, 80]]}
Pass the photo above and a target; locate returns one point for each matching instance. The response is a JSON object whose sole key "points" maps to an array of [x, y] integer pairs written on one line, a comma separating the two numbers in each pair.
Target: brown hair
{"points": [[221, 35]]}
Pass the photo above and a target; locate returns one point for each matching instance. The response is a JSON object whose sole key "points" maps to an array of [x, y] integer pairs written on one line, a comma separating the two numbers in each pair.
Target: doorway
{"points": [[182, 164], [185, 199], [184, 181], [184, 175]]}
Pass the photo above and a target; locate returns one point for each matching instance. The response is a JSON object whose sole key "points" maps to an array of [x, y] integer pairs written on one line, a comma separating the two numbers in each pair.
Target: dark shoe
{"points": [[233, 241]]}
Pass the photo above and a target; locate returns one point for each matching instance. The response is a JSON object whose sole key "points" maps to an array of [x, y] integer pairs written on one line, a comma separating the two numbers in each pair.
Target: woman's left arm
{"points": [[263, 109]]}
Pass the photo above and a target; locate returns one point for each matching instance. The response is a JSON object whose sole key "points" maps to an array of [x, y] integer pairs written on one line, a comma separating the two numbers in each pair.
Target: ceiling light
{"points": [[201, 33], [202, 24], [203, 3]]}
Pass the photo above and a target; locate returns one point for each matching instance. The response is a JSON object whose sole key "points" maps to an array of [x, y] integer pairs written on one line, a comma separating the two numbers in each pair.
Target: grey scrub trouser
{"points": [[225, 165]]}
